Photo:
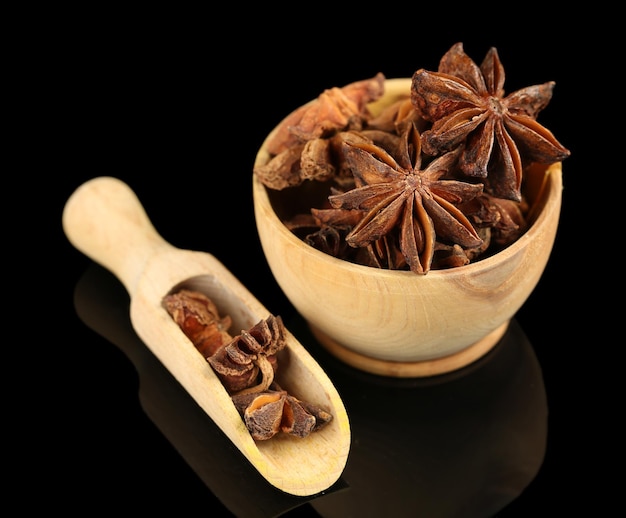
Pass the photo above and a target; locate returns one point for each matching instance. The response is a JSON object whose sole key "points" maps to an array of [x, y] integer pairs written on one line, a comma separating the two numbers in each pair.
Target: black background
{"points": [[176, 105]]}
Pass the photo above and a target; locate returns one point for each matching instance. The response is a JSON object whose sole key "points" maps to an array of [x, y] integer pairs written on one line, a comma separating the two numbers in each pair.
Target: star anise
{"points": [[250, 356], [395, 193], [333, 110], [504, 218], [272, 411], [302, 148], [246, 365], [467, 105], [199, 318]]}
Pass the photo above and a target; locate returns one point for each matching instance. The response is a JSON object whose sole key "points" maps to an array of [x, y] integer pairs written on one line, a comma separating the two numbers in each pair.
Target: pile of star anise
{"points": [[246, 365], [433, 181]]}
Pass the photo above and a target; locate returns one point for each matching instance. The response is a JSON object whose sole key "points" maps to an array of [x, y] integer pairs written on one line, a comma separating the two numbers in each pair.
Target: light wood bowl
{"points": [[398, 323]]}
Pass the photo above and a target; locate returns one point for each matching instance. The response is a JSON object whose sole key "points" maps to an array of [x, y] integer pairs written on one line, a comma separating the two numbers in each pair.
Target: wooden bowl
{"points": [[398, 323]]}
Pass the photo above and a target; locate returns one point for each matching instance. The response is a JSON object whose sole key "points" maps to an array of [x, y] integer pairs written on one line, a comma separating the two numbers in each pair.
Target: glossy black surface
{"points": [[468, 441], [176, 114]]}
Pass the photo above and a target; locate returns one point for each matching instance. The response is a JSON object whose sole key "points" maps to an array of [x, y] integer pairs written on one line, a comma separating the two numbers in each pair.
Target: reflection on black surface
{"points": [[465, 443], [103, 304], [460, 444]]}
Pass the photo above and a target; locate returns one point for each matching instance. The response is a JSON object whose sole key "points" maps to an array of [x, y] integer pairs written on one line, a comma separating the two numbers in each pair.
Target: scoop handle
{"points": [[105, 220]]}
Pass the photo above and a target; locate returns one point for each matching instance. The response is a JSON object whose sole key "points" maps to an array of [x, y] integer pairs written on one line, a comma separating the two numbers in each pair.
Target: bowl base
{"points": [[416, 369]]}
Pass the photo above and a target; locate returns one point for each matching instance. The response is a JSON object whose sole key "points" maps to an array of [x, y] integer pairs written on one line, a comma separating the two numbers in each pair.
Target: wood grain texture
{"points": [[104, 219], [398, 316]]}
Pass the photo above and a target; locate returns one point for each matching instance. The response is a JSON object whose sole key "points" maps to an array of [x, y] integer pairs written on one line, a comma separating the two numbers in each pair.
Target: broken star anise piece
{"points": [[300, 418], [467, 105], [301, 148], [396, 193], [335, 109], [250, 355], [505, 218], [318, 159], [395, 114], [199, 319], [246, 365], [274, 410], [261, 412]]}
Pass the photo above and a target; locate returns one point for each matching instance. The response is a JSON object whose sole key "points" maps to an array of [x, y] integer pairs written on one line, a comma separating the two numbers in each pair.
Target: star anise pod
{"points": [[333, 110], [199, 318], [249, 356], [467, 105], [505, 218], [246, 365], [396, 114], [396, 194], [270, 412], [302, 147]]}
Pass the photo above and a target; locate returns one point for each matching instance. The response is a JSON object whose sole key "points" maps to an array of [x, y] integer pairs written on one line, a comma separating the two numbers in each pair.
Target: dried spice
{"points": [[198, 316], [334, 110], [246, 365], [467, 105], [299, 147], [248, 362], [272, 411], [394, 192], [432, 181]]}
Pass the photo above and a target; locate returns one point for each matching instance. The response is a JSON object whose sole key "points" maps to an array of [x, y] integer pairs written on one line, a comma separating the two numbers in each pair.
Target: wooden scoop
{"points": [[104, 219]]}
